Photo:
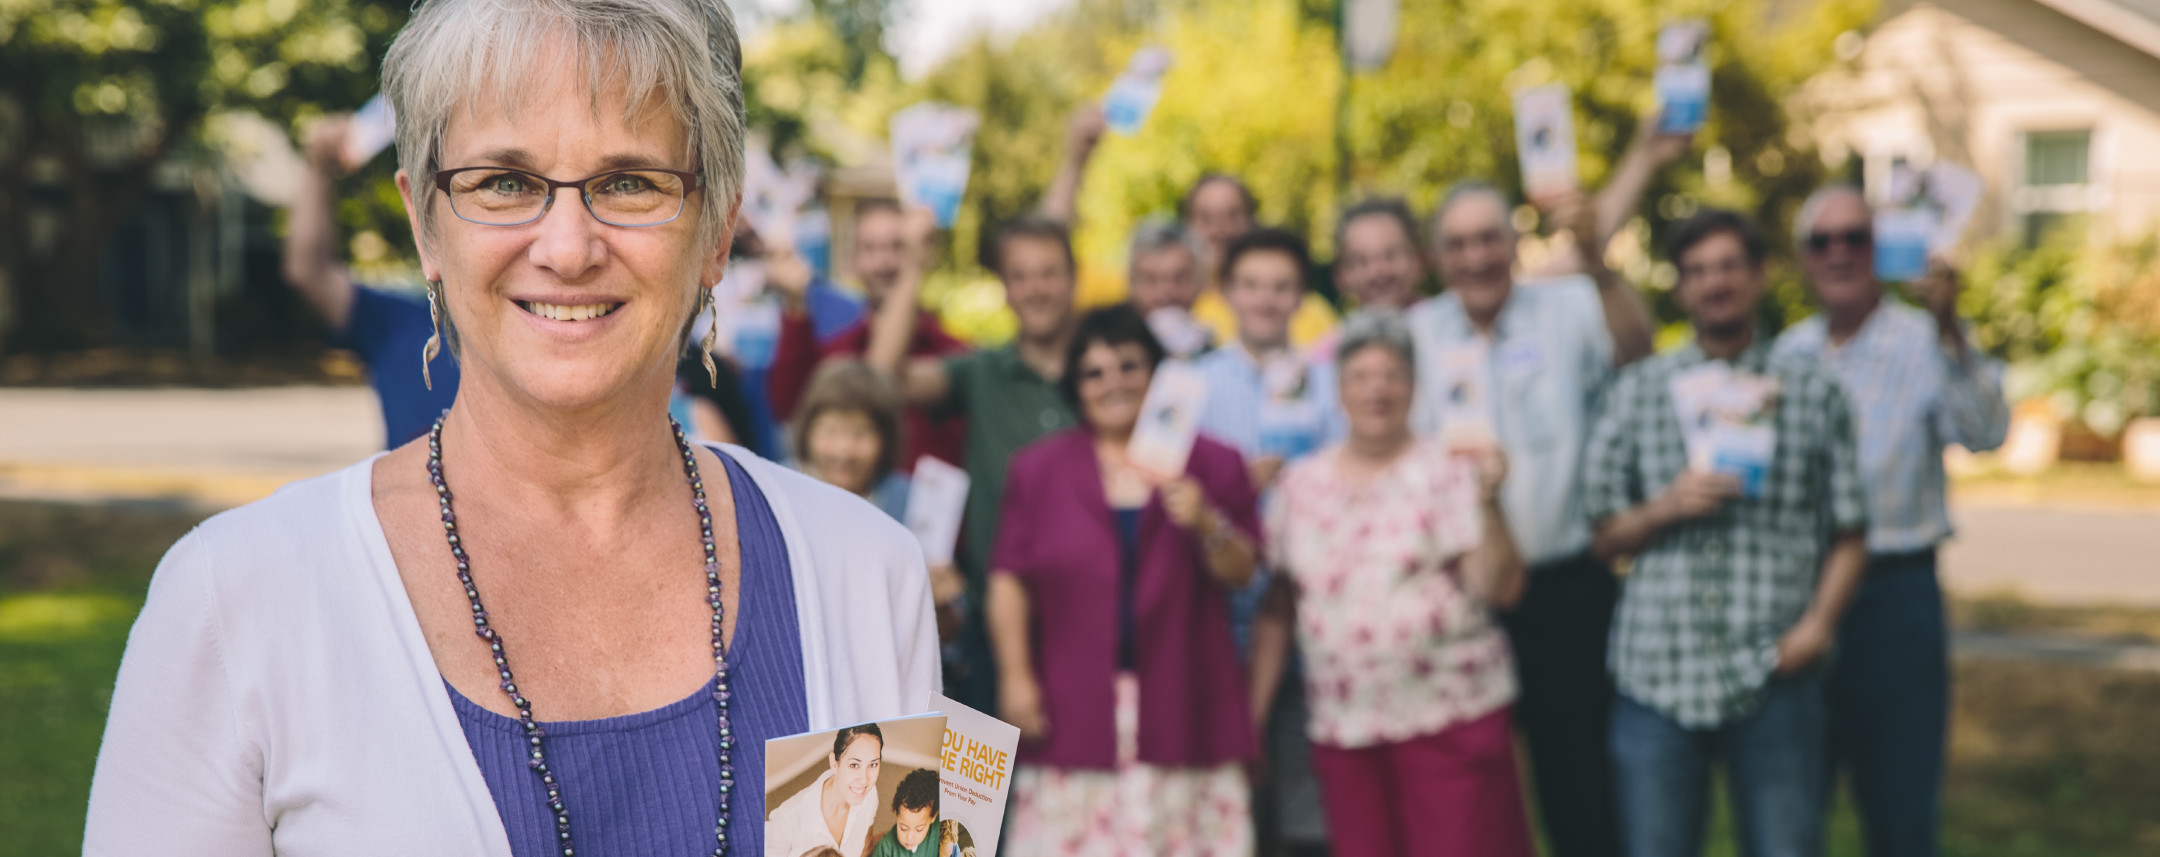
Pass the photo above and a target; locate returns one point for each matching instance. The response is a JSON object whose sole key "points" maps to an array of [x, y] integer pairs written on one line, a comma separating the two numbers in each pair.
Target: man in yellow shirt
{"points": [[1219, 208]]}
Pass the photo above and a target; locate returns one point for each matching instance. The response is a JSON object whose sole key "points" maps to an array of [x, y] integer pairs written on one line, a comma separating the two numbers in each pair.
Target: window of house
{"points": [[2056, 182]]}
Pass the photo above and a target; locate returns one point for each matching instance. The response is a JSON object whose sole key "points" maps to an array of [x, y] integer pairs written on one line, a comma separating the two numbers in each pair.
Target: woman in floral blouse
{"points": [[1393, 554]]}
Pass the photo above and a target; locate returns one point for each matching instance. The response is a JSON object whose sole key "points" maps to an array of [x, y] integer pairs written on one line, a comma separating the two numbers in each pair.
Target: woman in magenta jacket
{"points": [[1107, 611]]}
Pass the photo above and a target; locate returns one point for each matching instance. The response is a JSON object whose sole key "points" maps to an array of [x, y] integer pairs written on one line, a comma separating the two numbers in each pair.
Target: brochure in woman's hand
{"points": [[1460, 376], [931, 784], [1169, 421]]}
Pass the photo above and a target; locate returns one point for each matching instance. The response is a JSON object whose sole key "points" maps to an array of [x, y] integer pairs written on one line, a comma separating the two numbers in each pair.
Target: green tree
{"points": [[860, 28], [1255, 92], [97, 96]]}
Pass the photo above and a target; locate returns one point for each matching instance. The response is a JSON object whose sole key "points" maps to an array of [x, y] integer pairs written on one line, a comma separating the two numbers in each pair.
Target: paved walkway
{"points": [[2055, 555], [220, 447], [2062, 649]]}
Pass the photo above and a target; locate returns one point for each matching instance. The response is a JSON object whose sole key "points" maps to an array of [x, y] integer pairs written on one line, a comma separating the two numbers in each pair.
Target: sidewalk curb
{"points": [[2058, 649]]}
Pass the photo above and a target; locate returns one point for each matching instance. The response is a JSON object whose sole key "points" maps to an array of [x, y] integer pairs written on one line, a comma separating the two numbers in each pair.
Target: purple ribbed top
{"points": [[649, 783]]}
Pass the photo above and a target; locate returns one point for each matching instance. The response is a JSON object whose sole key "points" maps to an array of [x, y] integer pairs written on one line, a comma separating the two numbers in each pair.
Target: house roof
{"points": [[2134, 22]]}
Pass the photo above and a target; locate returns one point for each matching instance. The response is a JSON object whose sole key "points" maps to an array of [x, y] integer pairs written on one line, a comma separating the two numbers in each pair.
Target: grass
{"points": [[2008, 613], [2046, 761], [71, 580]]}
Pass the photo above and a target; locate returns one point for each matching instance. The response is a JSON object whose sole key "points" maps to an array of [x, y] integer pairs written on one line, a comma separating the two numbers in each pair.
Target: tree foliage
{"points": [[1259, 90], [97, 96], [2079, 319]]}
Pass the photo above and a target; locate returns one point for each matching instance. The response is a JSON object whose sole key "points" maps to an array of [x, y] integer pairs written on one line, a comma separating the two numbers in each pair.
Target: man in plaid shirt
{"points": [[1743, 561]]}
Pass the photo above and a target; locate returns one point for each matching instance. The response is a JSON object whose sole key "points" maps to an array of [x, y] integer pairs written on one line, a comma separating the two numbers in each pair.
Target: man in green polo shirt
{"points": [[1008, 395]]}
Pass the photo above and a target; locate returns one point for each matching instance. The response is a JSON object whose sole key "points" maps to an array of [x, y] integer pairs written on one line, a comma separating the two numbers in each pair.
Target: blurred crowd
{"points": [[1326, 634]]}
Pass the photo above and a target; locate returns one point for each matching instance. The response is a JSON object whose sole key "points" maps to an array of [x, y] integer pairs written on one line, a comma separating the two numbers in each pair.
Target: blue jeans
{"points": [[1889, 696], [1774, 771]]}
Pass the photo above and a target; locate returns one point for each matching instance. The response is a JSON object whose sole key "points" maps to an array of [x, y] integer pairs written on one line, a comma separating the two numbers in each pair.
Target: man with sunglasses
{"points": [[1917, 385]]}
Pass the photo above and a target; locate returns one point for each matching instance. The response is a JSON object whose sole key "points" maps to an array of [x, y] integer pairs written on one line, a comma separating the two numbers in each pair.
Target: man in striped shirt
{"points": [[1917, 385]]}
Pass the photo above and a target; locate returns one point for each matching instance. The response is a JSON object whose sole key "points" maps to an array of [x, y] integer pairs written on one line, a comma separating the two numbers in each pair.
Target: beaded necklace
{"points": [[533, 732]]}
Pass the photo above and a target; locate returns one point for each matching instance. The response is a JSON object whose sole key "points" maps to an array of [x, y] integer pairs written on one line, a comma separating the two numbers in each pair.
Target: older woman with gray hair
{"points": [[554, 625], [1391, 553]]}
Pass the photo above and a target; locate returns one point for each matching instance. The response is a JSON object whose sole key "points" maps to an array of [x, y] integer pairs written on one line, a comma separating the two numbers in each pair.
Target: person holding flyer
{"points": [[783, 279], [1917, 385], [1218, 209], [848, 435], [1262, 400], [1527, 363], [1008, 395], [556, 625], [1735, 593], [1379, 262], [1165, 281], [1107, 608], [1392, 552], [387, 329], [891, 255], [1267, 401]]}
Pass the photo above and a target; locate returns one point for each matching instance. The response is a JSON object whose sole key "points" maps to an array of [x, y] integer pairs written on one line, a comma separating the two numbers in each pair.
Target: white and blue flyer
{"points": [[1545, 141], [1133, 95], [1683, 76], [933, 144]]}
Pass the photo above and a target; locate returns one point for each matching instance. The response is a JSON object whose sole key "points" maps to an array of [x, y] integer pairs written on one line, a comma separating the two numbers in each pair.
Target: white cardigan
{"points": [[277, 696]]}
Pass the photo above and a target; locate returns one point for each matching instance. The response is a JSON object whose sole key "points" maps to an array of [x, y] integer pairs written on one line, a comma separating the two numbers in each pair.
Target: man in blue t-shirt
{"points": [[832, 311], [387, 329]]}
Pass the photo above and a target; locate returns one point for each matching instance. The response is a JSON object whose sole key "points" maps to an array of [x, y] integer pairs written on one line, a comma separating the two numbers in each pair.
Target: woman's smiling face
{"points": [[566, 312], [855, 770]]}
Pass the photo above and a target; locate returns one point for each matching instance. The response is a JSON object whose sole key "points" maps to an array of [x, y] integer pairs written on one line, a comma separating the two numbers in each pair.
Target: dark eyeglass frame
{"points": [[1124, 367], [1858, 238], [692, 183]]}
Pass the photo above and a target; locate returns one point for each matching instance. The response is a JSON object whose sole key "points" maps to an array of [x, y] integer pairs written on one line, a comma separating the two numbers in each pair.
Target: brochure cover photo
{"points": [[867, 789], [932, 785]]}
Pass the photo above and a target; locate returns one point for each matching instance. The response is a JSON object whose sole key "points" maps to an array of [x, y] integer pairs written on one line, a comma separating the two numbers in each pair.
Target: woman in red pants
{"points": [[1394, 554]]}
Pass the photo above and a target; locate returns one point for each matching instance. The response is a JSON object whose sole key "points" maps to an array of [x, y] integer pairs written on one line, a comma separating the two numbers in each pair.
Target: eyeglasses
{"points": [[1098, 373], [1858, 239], [499, 196]]}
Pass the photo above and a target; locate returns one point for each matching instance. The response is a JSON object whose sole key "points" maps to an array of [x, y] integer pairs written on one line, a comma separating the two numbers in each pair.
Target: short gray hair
{"points": [[1804, 223], [1156, 235], [1465, 189], [682, 51], [1376, 329]]}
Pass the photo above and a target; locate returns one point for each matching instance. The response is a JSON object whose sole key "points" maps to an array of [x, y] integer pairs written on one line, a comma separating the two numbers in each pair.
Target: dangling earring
{"points": [[434, 340], [712, 333]]}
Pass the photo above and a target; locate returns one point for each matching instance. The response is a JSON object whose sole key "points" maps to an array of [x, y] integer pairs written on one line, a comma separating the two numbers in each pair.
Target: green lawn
{"points": [[71, 579], [2046, 761]]}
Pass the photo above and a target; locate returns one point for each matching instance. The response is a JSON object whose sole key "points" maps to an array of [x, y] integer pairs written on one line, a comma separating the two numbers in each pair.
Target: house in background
{"points": [[2056, 103]]}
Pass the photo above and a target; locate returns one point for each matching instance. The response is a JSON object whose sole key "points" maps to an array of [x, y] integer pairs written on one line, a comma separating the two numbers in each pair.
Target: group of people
{"points": [[1341, 597], [1342, 601]]}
